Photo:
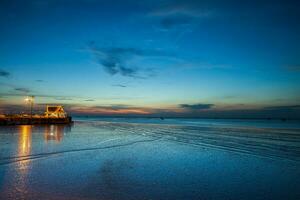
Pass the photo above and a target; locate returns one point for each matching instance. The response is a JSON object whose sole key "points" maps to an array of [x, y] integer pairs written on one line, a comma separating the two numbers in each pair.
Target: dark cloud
{"points": [[115, 60], [283, 108], [16, 90], [191, 110], [196, 106], [119, 85], [23, 90], [4, 73], [39, 80], [270, 112]]}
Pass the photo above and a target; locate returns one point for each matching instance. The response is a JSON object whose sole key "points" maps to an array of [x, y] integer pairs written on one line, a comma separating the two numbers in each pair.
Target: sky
{"points": [[177, 58]]}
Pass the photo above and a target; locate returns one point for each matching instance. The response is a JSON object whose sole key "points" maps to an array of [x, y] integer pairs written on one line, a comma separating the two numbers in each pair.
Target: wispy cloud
{"points": [[4, 73], [109, 110], [116, 60], [198, 106], [181, 13], [89, 100], [23, 90], [187, 8], [192, 64], [119, 85]]}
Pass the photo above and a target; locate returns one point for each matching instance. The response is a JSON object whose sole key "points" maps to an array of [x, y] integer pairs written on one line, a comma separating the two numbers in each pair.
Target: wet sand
{"points": [[104, 160]]}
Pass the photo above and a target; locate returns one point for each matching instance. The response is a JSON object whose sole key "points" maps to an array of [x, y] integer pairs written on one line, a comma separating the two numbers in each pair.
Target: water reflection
{"points": [[25, 139], [54, 132], [51, 132], [24, 149], [29, 138]]}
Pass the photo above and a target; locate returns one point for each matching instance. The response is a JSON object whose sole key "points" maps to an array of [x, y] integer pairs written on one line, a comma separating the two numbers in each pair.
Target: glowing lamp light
{"points": [[29, 99]]}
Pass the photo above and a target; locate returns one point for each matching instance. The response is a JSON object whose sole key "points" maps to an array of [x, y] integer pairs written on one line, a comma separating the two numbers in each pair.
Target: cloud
{"points": [[198, 106], [116, 60], [39, 80], [4, 73], [119, 85], [63, 98], [109, 110], [15, 90], [181, 13], [89, 100], [293, 68], [183, 110], [229, 97], [283, 108], [9, 109], [23, 90], [196, 64], [184, 8]]}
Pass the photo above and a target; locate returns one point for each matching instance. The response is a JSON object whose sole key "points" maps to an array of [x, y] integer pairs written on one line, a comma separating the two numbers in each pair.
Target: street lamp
{"points": [[30, 99]]}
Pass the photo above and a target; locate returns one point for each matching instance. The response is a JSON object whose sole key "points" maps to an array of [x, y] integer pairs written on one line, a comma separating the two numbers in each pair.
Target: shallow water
{"points": [[151, 159]]}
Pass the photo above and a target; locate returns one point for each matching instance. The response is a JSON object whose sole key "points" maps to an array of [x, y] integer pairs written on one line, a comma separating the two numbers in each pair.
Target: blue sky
{"points": [[171, 58]]}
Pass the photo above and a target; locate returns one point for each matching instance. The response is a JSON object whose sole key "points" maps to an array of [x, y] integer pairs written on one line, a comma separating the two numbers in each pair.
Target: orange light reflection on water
{"points": [[25, 140], [24, 150]]}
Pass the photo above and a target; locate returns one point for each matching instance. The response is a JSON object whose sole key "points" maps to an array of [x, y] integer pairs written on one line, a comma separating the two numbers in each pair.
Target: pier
{"points": [[23, 120], [53, 115]]}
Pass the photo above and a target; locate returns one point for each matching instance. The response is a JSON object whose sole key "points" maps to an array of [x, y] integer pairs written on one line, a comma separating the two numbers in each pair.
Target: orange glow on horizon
{"points": [[108, 111]]}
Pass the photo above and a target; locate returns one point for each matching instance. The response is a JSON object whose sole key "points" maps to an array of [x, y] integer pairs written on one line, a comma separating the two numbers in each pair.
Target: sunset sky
{"points": [[156, 58]]}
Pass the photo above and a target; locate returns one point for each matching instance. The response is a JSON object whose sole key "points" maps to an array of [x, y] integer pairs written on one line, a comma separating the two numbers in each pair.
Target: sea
{"points": [[151, 158]]}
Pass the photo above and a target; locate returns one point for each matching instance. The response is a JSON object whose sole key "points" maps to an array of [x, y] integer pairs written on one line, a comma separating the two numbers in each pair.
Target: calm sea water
{"points": [[138, 158]]}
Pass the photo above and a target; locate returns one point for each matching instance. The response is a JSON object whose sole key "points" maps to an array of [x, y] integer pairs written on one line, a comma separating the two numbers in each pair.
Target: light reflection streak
{"points": [[25, 140], [24, 149], [18, 181], [54, 132]]}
